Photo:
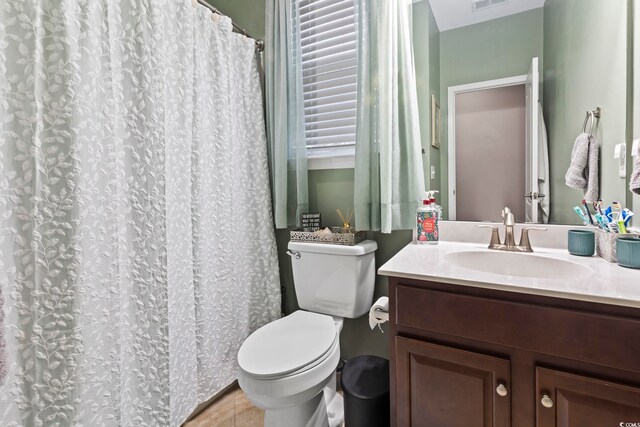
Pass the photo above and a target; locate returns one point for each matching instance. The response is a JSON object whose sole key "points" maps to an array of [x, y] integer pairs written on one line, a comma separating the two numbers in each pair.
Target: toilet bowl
{"points": [[288, 367]]}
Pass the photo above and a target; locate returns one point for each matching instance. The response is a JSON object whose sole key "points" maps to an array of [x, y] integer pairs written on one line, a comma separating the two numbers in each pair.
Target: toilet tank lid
{"points": [[362, 248]]}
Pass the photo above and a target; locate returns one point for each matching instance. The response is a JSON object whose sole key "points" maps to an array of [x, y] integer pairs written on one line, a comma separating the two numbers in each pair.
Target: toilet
{"points": [[288, 367]]}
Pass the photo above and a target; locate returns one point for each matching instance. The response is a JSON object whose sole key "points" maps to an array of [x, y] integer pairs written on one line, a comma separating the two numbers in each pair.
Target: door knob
{"points": [[546, 401], [502, 390]]}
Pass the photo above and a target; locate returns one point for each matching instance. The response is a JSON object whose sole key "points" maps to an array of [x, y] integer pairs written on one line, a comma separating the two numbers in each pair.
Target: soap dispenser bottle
{"points": [[427, 222]]}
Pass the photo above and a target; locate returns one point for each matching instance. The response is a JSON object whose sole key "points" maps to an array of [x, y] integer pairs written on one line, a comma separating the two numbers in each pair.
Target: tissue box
{"points": [[606, 245]]}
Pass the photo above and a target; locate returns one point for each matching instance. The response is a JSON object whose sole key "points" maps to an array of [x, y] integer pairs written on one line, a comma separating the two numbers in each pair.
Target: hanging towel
{"points": [[634, 183], [593, 165], [583, 170], [543, 169], [575, 176]]}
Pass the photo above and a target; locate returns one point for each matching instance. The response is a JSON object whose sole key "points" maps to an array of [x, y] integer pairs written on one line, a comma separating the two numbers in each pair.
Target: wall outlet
{"points": [[433, 172]]}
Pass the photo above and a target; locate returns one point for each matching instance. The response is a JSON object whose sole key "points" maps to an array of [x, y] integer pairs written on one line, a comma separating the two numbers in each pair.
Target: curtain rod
{"points": [[259, 43]]}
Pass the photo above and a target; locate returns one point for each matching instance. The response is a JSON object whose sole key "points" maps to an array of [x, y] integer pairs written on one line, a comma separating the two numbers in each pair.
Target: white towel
{"points": [[634, 182], [592, 192], [575, 177], [583, 170]]}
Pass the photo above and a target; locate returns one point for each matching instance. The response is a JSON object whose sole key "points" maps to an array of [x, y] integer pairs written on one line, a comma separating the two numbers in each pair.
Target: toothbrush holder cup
{"points": [[628, 249], [581, 242]]}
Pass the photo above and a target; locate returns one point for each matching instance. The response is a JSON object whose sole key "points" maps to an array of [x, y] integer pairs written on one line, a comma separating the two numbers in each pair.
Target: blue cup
{"points": [[581, 242], [628, 250]]}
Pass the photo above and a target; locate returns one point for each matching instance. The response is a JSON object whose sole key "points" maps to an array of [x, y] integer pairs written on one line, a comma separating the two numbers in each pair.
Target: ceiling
{"points": [[452, 14]]}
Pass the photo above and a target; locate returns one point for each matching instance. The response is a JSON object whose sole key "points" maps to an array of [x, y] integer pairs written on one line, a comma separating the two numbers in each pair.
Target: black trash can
{"points": [[365, 385]]}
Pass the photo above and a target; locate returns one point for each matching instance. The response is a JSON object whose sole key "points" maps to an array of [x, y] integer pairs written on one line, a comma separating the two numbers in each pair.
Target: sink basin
{"points": [[518, 264]]}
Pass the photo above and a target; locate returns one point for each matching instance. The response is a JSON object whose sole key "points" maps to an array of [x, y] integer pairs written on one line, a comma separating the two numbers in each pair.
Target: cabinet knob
{"points": [[501, 390], [546, 401]]}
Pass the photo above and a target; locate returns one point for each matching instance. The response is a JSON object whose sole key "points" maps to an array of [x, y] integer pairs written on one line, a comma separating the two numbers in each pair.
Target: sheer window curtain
{"points": [[285, 112], [389, 179], [136, 242]]}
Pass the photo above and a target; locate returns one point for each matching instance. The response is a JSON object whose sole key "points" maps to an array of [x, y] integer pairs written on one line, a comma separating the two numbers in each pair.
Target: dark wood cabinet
{"points": [[567, 400], [446, 387], [464, 356]]}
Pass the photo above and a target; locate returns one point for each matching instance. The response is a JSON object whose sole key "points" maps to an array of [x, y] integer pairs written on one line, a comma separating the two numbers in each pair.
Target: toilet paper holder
{"points": [[381, 314]]}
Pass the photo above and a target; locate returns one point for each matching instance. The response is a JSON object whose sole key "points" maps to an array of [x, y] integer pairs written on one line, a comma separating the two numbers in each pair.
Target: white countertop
{"points": [[609, 283]]}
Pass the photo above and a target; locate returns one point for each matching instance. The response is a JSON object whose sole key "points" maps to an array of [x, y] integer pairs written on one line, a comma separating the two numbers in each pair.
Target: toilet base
{"points": [[335, 410], [324, 410]]}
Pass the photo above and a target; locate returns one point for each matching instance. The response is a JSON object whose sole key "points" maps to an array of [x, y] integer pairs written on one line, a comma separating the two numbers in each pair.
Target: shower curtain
{"points": [[137, 247]]}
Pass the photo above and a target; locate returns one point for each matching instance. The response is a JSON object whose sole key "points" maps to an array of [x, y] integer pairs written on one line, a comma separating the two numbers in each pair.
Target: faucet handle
{"points": [[495, 236], [524, 237]]}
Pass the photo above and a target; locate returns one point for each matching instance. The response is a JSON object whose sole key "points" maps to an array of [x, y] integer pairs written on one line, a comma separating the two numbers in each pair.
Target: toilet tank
{"points": [[334, 279]]}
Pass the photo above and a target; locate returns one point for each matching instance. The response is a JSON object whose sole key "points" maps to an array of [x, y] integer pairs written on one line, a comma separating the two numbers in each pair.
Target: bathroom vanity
{"points": [[472, 347]]}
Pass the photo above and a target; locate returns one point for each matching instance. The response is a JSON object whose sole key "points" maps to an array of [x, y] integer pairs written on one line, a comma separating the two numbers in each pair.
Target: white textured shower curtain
{"points": [[137, 248]]}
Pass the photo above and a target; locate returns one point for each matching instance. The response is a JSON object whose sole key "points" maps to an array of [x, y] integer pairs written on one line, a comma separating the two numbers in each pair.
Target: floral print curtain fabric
{"points": [[137, 248], [3, 355]]}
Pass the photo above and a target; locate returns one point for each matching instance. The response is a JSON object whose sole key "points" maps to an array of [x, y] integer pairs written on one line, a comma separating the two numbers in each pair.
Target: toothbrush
{"points": [[586, 207], [613, 227], [608, 214], [598, 206], [601, 222], [626, 216], [617, 210], [580, 212]]}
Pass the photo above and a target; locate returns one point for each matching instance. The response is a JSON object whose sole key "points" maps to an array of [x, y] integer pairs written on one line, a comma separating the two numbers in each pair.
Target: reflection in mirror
{"points": [[514, 83], [634, 172]]}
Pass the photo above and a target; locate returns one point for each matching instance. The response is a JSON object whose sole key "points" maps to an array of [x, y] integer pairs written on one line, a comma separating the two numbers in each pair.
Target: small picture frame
{"points": [[435, 122], [311, 221]]}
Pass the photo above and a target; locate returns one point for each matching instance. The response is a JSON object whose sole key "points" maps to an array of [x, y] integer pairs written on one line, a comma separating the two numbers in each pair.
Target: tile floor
{"points": [[231, 410]]}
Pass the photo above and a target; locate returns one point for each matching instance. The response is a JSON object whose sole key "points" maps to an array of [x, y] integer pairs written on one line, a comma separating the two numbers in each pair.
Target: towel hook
{"points": [[593, 115], [586, 121]]}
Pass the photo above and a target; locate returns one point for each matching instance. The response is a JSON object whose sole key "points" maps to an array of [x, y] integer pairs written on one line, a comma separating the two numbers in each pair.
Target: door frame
{"points": [[451, 127]]}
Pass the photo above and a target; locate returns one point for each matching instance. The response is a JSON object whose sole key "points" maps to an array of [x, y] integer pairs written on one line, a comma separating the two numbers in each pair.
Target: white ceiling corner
{"points": [[452, 14]]}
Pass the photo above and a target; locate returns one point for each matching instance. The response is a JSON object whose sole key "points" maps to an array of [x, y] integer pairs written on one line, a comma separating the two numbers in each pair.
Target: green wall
{"points": [[329, 190], [585, 66], [489, 50], [248, 14], [426, 38]]}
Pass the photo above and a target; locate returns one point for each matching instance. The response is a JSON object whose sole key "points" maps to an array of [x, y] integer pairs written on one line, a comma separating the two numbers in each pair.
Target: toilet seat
{"points": [[288, 346]]}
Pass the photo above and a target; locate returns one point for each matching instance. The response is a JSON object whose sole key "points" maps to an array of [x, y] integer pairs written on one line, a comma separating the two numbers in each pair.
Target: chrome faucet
{"points": [[509, 239]]}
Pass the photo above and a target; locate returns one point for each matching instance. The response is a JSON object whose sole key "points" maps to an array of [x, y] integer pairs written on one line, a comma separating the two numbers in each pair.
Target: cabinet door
{"points": [[566, 400], [446, 387]]}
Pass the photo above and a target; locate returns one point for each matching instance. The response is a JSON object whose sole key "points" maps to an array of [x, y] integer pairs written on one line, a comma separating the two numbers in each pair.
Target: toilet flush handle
{"points": [[295, 255]]}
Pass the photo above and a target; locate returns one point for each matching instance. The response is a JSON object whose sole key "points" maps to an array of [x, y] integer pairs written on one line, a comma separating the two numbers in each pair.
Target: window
{"points": [[329, 68]]}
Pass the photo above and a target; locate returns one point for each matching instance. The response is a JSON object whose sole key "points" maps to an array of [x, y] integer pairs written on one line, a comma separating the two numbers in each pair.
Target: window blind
{"points": [[327, 34]]}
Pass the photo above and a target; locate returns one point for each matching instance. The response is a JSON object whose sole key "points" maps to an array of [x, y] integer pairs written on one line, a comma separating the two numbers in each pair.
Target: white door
{"points": [[532, 141]]}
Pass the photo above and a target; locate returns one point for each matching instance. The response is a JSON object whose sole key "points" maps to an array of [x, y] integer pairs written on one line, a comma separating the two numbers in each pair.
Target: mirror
{"points": [[514, 81]]}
